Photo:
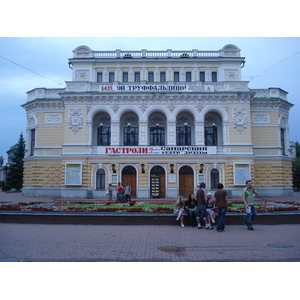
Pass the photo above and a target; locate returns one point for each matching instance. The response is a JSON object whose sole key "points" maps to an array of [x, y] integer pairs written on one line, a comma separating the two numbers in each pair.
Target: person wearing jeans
{"points": [[248, 192], [221, 199]]}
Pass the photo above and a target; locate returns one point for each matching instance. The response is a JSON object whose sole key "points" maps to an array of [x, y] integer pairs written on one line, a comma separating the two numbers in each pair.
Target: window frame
{"points": [[137, 75], [125, 77], [100, 179], [214, 76], [131, 138], [183, 135], [157, 136], [202, 76], [111, 77], [176, 76], [162, 76], [188, 76], [100, 77]]}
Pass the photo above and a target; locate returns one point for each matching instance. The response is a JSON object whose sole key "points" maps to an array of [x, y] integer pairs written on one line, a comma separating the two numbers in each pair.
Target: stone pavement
{"points": [[145, 243], [148, 243]]}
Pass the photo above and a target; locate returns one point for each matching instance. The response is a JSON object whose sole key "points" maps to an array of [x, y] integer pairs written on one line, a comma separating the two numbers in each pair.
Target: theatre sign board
{"points": [[156, 88], [161, 150]]}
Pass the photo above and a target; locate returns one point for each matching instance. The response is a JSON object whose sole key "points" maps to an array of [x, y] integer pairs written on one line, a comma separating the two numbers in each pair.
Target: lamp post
{"points": [[128, 133], [185, 133], [157, 126], [214, 126], [4, 185], [100, 133]]}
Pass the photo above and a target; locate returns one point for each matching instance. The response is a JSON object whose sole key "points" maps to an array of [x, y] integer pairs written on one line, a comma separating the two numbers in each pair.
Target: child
{"points": [[210, 206], [179, 210]]}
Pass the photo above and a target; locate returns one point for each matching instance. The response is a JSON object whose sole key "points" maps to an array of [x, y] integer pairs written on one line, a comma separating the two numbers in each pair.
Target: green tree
{"points": [[1, 160], [296, 168], [297, 149], [15, 170]]}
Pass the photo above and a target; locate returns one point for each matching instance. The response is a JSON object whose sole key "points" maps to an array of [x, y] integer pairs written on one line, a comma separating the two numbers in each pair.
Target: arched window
{"points": [[214, 178], [100, 179]]}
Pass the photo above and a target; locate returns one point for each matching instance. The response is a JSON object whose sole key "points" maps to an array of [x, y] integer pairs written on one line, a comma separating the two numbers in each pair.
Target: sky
{"points": [[30, 62]]}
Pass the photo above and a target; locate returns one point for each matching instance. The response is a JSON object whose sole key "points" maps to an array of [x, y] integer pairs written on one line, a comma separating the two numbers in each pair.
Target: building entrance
{"points": [[129, 175], [157, 182], [186, 181]]}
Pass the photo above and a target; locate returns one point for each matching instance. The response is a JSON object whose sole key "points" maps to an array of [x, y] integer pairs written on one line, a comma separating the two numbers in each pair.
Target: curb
{"points": [[136, 219]]}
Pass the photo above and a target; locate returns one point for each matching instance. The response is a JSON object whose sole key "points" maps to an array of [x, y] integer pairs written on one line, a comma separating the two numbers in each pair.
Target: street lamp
{"points": [[4, 185], [100, 133], [128, 134], [185, 133], [214, 126], [157, 126]]}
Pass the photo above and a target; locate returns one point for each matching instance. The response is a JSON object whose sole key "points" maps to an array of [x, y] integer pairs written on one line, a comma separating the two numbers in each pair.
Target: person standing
{"points": [[221, 199], [247, 194], [119, 189], [110, 190], [201, 200], [127, 192]]}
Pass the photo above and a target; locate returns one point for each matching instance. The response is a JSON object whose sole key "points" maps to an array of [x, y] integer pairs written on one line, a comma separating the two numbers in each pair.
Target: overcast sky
{"points": [[30, 62]]}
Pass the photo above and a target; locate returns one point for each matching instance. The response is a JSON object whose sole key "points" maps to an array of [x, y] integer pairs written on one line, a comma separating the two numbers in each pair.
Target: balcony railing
{"points": [[155, 54]]}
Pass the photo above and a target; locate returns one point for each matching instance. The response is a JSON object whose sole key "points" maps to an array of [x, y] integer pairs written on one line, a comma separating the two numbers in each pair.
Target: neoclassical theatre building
{"points": [[163, 121]]}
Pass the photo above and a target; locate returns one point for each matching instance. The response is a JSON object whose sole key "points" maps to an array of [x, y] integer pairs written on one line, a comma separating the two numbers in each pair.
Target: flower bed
{"points": [[166, 207]]}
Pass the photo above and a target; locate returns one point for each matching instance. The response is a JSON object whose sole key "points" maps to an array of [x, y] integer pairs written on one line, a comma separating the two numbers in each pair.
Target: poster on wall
{"points": [[73, 174], [241, 173], [200, 178], [114, 179]]}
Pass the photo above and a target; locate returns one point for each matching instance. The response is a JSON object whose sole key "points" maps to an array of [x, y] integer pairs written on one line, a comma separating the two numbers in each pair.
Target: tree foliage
{"points": [[296, 168], [15, 171]]}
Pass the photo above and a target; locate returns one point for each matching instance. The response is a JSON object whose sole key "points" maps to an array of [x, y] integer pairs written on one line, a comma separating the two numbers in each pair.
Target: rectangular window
{"points": [[137, 77], [157, 136], [188, 76], [210, 136], [131, 136], [103, 136], [73, 174], [162, 76], [176, 76], [111, 77], [183, 136], [202, 76], [99, 77], [150, 77], [214, 76], [32, 141], [125, 76]]}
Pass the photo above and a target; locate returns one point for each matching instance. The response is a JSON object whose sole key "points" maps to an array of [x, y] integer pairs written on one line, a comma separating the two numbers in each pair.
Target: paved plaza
{"points": [[139, 243], [147, 243]]}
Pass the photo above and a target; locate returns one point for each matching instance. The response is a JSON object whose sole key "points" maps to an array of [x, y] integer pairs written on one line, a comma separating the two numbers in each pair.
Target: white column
{"points": [[143, 133], [115, 133], [199, 133], [171, 133]]}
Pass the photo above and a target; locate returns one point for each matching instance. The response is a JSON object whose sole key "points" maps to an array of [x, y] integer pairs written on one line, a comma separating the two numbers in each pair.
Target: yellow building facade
{"points": [[163, 121]]}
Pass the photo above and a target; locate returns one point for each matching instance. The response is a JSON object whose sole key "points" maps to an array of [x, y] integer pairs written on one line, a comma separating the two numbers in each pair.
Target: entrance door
{"points": [[186, 181], [157, 182], [129, 175]]}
